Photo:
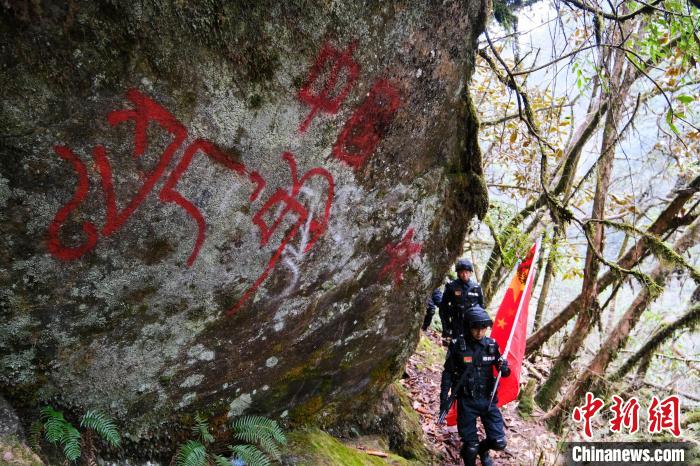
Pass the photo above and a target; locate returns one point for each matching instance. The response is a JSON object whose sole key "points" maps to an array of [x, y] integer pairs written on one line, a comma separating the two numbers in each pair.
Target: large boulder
{"points": [[230, 207]]}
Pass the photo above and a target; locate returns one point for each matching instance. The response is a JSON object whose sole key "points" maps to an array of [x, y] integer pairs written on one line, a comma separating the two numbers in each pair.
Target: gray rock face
{"points": [[9, 421], [223, 206]]}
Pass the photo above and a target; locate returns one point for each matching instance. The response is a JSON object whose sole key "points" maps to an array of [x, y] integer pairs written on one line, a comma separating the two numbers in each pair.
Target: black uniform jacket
{"points": [[478, 360], [458, 297]]}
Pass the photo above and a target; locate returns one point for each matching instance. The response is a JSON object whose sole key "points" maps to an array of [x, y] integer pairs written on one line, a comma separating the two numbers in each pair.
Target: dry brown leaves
{"points": [[529, 443]]}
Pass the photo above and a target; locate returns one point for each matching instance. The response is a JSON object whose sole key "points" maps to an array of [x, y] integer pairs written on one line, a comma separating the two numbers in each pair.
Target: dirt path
{"points": [[528, 442]]}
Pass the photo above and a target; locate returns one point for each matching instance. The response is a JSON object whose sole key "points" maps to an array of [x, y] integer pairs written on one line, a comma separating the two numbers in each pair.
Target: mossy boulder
{"points": [[228, 207]]}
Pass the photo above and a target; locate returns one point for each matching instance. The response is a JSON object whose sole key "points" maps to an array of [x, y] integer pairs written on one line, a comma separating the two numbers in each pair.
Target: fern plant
{"points": [[262, 437], [201, 429], [194, 452], [102, 425], [58, 431], [250, 455]]}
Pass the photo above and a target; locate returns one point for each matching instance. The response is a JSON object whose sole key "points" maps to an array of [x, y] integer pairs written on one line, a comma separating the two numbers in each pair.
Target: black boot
{"points": [[468, 453], [484, 453]]}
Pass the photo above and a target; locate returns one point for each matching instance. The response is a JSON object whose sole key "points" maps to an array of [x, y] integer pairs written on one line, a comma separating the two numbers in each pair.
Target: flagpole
{"points": [[528, 282]]}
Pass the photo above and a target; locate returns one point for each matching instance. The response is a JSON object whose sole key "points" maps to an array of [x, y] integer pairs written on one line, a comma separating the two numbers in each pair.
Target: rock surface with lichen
{"points": [[227, 207]]}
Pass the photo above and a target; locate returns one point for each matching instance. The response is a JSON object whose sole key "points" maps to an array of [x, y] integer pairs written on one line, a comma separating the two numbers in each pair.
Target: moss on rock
{"points": [[14, 452], [315, 447], [429, 354]]}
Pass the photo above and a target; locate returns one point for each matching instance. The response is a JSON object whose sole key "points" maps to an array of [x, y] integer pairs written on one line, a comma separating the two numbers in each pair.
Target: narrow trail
{"points": [[529, 443]]}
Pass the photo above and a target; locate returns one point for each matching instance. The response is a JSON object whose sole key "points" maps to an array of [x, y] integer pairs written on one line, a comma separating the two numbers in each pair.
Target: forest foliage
{"points": [[590, 132]]}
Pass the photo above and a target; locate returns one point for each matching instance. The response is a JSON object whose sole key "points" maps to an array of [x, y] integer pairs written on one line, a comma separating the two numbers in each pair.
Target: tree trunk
{"points": [[547, 280], [589, 291], [617, 338], [567, 169], [689, 319], [666, 222]]}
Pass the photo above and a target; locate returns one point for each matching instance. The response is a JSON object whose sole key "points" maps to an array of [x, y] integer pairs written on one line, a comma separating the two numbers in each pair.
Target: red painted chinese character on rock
{"points": [[586, 412], [282, 204], [144, 112], [55, 247], [665, 415], [399, 255], [626, 415], [367, 125], [170, 194], [326, 98]]}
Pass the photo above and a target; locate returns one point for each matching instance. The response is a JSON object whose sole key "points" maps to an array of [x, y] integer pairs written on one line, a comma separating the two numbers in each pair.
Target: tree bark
{"points": [[494, 266], [618, 337], [690, 318], [547, 280], [589, 291], [665, 222]]}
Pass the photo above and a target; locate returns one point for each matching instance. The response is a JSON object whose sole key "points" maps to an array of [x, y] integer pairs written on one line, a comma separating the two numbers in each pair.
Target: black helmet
{"points": [[464, 264], [477, 317]]}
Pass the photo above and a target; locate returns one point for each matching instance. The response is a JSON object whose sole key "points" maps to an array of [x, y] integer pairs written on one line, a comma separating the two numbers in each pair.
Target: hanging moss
{"points": [[691, 319], [659, 248]]}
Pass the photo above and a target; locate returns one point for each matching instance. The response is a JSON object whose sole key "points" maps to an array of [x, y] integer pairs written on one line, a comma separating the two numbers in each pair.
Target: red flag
{"points": [[510, 325], [451, 418]]}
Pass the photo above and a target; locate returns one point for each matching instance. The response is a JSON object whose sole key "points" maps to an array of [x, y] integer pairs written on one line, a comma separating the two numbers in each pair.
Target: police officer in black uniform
{"points": [[433, 302], [460, 295], [468, 374]]}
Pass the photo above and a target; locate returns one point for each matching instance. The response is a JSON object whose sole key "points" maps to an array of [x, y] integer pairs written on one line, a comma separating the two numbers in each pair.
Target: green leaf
{"points": [[251, 455], [221, 461], [103, 425], [192, 453], [53, 429], [201, 429], [59, 431], [71, 442], [669, 121], [251, 428], [35, 435], [686, 99]]}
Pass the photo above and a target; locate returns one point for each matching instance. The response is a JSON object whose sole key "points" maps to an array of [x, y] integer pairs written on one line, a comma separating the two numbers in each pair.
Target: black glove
{"points": [[444, 405], [503, 367]]}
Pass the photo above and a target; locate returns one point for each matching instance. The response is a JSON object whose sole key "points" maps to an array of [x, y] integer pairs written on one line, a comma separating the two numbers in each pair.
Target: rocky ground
{"points": [[529, 443]]}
